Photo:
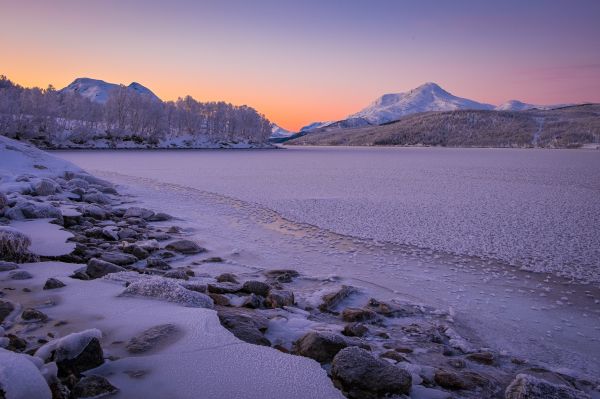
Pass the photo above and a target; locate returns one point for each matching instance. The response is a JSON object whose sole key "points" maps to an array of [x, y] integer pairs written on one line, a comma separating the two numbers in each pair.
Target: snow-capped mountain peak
{"points": [[427, 97], [98, 90], [278, 132]]}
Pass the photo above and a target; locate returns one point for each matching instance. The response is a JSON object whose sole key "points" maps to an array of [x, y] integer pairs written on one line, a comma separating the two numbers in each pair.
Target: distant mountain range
{"points": [[99, 90], [566, 127], [425, 98]]}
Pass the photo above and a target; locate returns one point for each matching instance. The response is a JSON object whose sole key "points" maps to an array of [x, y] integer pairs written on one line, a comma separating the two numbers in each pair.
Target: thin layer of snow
{"points": [[21, 378], [207, 359], [47, 239], [18, 158], [508, 309]]}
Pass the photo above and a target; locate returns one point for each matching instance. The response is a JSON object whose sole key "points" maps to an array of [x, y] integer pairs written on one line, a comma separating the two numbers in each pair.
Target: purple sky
{"points": [[301, 61]]}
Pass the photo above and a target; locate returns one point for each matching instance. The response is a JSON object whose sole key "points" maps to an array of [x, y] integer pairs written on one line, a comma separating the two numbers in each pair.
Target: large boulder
{"points": [[36, 210], [14, 245], [363, 376], [525, 386], [45, 187], [248, 327], [53, 283], [96, 198], [74, 353], [320, 346], [168, 290], [256, 287], [7, 266], [118, 258], [333, 299], [94, 211], [358, 314], [136, 212], [151, 338], [186, 247], [21, 377], [6, 308], [279, 299], [93, 386], [3, 203], [97, 268]]}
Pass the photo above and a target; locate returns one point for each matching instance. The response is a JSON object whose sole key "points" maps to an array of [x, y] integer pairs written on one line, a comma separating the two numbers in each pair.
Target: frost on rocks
{"points": [[69, 346], [168, 290], [21, 378], [14, 245], [528, 387]]}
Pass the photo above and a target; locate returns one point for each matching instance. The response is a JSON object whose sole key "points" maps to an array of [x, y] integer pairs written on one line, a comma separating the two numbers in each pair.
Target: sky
{"points": [[309, 60]]}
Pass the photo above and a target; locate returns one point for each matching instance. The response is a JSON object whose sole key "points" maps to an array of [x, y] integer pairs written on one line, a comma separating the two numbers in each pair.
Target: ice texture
{"points": [[536, 209]]}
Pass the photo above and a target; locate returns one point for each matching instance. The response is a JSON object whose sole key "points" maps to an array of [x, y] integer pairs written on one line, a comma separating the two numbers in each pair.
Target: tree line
{"points": [[54, 118]]}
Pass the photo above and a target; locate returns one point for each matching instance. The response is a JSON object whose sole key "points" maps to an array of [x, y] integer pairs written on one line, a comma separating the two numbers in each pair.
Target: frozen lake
{"points": [[444, 227], [536, 209]]}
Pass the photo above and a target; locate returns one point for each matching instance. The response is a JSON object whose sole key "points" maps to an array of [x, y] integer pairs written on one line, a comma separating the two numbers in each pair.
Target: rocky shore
{"points": [[368, 348]]}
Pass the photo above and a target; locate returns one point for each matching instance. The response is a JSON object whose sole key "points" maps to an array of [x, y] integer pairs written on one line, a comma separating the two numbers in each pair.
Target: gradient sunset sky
{"points": [[304, 61]]}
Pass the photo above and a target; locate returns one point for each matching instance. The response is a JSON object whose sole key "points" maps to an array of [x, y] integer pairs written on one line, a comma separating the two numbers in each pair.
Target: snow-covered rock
{"points": [[168, 290], [99, 90], [67, 347], [21, 378]]}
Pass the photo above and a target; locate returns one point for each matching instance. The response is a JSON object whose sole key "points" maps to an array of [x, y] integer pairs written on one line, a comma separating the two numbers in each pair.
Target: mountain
{"points": [[427, 97], [566, 127], [515, 105], [315, 125], [99, 90], [277, 132]]}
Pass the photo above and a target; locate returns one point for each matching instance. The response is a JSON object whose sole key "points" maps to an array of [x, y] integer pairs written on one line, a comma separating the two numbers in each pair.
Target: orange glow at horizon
{"points": [[301, 62]]}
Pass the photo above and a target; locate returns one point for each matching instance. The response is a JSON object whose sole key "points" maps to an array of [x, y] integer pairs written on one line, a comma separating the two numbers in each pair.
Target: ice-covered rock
{"points": [[93, 386], [333, 299], [14, 244], [245, 326], [99, 268], [20, 275], [94, 211], [279, 298], [21, 378], [7, 266], [151, 338], [168, 290], [53, 283], [96, 198], [361, 375], [320, 346], [74, 353], [118, 258], [256, 287], [6, 308], [525, 386], [137, 212], [186, 247], [46, 187]]}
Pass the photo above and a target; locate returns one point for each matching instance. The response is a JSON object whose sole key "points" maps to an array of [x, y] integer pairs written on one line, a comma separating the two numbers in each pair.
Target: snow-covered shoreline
{"points": [[132, 252]]}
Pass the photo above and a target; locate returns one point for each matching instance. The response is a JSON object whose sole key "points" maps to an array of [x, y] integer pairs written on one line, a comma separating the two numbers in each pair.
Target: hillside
{"points": [[564, 127]]}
